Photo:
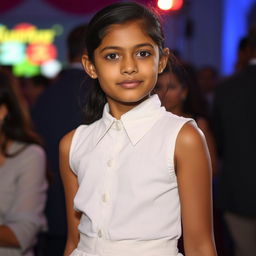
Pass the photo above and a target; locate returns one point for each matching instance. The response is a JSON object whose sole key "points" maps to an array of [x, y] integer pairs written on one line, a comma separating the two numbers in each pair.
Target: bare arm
{"points": [[69, 180], [194, 182], [7, 237]]}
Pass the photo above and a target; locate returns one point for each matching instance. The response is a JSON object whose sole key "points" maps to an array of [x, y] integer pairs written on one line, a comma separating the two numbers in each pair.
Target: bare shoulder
{"points": [[190, 135], [190, 142], [65, 142]]}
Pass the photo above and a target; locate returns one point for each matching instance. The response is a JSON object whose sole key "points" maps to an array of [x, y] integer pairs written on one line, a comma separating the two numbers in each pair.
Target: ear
{"points": [[89, 67], [163, 60]]}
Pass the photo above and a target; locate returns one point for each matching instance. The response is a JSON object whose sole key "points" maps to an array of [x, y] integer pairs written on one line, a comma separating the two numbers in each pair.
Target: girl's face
{"points": [[126, 63], [170, 92]]}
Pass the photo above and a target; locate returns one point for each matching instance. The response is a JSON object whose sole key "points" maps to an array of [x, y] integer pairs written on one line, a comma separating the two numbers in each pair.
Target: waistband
{"points": [[89, 246]]}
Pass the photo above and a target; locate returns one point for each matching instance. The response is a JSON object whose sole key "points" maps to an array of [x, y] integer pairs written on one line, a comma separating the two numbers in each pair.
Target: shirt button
{"points": [[105, 197], [110, 163], [100, 233], [118, 126]]}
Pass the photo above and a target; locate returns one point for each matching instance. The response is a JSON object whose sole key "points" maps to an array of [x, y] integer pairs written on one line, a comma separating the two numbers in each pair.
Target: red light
{"points": [[24, 26], [39, 53], [170, 5]]}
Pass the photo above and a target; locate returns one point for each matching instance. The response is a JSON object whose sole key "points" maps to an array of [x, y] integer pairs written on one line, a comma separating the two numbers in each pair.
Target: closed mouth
{"points": [[130, 83]]}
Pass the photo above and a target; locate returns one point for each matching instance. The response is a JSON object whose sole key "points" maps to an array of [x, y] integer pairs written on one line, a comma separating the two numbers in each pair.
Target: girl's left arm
{"points": [[193, 167]]}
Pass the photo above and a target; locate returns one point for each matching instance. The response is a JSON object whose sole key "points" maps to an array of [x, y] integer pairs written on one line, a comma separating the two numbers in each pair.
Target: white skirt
{"points": [[101, 247]]}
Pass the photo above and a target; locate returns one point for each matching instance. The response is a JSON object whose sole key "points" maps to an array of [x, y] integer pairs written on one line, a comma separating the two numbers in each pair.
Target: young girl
{"points": [[134, 169]]}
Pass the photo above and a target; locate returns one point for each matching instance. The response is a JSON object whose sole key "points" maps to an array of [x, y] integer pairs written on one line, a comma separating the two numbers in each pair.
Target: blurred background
{"points": [[204, 32], [40, 48]]}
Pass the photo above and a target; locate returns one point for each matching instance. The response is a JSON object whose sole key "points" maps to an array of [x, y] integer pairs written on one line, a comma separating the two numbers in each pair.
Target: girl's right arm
{"points": [[70, 184]]}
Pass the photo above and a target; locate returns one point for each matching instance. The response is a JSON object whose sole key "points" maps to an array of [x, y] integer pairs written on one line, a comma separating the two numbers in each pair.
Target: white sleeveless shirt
{"points": [[125, 168]]}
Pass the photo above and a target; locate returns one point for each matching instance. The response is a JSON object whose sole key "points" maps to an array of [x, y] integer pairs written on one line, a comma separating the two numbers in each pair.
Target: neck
{"points": [[117, 109]]}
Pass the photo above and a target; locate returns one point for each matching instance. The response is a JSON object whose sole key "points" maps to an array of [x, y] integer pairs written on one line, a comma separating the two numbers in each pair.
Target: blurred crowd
{"points": [[36, 112]]}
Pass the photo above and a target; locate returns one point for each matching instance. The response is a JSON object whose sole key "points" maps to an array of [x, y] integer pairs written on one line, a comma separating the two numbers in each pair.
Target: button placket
{"points": [[118, 125], [100, 233], [106, 197], [110, 162], [110, 181]]}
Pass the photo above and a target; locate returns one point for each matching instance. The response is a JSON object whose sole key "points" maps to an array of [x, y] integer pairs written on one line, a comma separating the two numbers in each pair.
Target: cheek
{"points": [[149, 66], [107, 76], [153, 74], [154, 80]]}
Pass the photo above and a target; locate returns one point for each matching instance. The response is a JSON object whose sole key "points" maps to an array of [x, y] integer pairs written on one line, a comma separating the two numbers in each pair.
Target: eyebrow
{"points": [[120, 48]]}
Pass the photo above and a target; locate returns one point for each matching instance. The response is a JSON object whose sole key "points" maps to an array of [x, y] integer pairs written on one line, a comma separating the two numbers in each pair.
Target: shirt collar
{"points": [[136, 122]]}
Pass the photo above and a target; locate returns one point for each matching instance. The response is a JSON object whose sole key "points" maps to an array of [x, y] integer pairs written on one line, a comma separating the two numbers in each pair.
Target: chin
{"points": [[131, 100], [136, 98]]}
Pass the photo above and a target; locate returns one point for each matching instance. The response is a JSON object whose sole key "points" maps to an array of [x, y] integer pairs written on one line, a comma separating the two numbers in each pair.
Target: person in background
{"points": [[56, 112], [180, 94], [207, 80], [23, 182], [235, 129], [243, 54], [34, 87]]}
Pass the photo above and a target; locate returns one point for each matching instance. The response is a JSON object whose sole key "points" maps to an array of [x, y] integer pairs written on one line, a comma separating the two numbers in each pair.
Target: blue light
{"points": [[12, 53], [234, 28]]}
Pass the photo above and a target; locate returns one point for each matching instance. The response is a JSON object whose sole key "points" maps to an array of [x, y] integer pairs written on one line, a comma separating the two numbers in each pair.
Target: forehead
{"points": [[126, 35]]}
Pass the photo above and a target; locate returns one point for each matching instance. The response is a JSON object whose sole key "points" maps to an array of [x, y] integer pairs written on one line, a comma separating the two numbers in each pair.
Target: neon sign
{"points": [[26, 33], [27, 45]]}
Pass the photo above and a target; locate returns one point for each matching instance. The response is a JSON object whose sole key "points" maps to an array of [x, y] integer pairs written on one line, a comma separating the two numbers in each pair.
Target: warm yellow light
{"points": [[165, 4]]}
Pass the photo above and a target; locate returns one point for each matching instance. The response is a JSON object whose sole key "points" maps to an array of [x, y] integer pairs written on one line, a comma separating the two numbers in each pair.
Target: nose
{"points": [[129, 65]]}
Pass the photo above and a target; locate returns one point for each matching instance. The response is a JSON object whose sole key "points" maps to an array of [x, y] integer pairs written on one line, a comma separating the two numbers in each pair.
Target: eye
{"points": [[112, 56], [143, 54]]}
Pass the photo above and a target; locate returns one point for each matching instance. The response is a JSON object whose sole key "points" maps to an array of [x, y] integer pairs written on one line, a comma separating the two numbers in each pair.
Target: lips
{"points": [[130, 84]]}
